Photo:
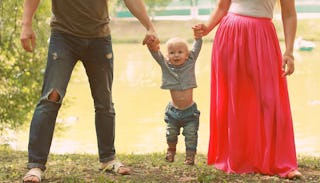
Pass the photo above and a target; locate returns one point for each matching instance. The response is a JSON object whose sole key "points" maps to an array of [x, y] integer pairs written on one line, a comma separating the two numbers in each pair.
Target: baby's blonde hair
{"points": [[175, 40]]}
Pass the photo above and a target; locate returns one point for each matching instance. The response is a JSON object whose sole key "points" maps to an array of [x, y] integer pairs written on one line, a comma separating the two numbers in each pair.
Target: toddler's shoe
{"points": [[170, 156], [190, 156]]}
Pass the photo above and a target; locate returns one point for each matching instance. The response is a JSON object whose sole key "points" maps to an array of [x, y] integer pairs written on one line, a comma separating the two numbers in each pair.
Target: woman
{"points": [[251, 125]]}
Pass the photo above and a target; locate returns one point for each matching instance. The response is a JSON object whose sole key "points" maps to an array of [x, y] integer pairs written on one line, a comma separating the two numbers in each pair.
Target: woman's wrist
{"points": [[290, 55]]}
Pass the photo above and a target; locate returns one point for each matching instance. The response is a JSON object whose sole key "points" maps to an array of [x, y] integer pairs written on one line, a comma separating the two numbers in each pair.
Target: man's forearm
{"points": [[29, 8], [137, 8]]}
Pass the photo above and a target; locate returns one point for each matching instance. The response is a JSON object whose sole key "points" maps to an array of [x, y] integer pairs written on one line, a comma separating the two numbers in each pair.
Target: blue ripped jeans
{"points": [[64, 51], [188, 119]]}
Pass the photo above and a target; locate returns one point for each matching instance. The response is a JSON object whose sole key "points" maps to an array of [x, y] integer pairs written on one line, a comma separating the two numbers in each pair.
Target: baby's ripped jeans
{"points": [[188, 119]]}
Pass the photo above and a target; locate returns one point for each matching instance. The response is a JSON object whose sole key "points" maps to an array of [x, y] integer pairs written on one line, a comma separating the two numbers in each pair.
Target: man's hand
{"points": [[152, 41], [28, 38]]}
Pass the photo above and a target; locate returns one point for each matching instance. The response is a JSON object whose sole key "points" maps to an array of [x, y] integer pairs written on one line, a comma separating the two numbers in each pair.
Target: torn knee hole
{"points": [[54, 96]]}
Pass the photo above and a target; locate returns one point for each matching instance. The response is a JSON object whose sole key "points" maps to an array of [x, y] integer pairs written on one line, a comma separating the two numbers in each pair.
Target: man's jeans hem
{"points": [[36, 165], [110, 158]]}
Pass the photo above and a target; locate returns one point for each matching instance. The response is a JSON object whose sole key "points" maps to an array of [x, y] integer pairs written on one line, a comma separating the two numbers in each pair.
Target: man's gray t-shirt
{"points": [[179, 77], [81, 18]]}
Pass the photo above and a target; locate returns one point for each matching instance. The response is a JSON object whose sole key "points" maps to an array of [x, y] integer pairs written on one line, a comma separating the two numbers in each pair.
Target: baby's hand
{"points": [[155, 46], [152, 43], [199, 30]]}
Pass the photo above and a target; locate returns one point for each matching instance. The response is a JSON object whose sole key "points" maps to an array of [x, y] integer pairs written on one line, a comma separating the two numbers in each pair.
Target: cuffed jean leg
{"points": [[190, 133], [99, 68], [172, 133], [190, 128], [171, 117], [60, 64], [41, 132]]}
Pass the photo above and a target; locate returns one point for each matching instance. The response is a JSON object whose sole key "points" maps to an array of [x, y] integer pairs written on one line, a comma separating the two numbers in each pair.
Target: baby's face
{"points": [[177, 53]]}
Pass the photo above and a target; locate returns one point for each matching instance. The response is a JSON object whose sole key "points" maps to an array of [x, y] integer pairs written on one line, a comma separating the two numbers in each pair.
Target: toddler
{"points": [[178, 76]]}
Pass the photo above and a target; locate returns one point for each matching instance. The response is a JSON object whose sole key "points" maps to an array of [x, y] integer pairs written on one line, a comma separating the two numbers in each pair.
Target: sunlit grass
{"points": [[75, 168]]}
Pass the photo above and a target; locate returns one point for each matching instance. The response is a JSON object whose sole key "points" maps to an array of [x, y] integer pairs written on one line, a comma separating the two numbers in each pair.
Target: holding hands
{"points": [[152, 41], [200, 30]]}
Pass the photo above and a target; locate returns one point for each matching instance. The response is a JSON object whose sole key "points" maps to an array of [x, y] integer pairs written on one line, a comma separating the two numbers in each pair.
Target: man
{"points": [[79, 31]]}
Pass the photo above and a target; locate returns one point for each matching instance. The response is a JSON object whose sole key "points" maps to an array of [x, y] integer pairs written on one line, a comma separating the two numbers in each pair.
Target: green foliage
{"points": [[20, 72]]}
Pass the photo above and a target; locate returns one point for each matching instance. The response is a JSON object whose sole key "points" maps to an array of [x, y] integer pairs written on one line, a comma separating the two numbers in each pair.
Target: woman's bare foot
{"points": [[295, 174]]}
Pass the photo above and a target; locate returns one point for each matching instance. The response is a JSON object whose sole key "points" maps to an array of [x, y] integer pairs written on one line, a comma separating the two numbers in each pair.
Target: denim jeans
{"points": [[188, 119], [64, 51]]}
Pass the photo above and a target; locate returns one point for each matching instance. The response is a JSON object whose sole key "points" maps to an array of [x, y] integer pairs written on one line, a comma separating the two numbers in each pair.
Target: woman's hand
{"points": [[287, 64], [199, 30]]}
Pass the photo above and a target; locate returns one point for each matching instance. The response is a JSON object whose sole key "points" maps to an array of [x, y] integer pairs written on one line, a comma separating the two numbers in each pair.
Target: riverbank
{"points": [[84, 168]]}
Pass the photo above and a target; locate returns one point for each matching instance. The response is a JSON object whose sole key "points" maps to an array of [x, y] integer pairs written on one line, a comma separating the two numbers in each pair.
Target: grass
{"points": [[81, 168]]}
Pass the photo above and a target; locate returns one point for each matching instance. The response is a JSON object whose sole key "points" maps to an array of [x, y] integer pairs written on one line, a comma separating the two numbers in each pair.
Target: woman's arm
{"points": [[289, 20], [219, 12]]}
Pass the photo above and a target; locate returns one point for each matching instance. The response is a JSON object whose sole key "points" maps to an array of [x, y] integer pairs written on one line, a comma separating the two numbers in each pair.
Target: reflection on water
{"points": [[140, 104]]}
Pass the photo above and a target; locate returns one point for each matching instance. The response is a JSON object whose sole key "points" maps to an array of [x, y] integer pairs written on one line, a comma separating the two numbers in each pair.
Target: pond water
{"points": [[140, 104]]}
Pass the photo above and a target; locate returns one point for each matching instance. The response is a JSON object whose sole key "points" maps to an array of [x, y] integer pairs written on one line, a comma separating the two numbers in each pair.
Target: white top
{"points": [[255, 8]]}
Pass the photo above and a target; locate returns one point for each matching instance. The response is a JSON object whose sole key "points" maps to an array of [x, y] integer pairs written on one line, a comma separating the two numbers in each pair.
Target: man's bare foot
{"points": [[33, 176], [115, 166]]}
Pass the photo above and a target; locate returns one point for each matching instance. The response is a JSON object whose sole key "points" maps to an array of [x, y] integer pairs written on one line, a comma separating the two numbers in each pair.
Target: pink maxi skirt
{"points": [[251, 128]]}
